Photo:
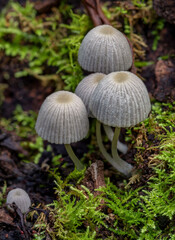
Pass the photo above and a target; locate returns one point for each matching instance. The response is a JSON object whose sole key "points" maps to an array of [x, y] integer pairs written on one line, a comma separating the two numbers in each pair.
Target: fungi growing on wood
{"points": [[105, 49], [20, 198], [63, 119], [120, 100]]}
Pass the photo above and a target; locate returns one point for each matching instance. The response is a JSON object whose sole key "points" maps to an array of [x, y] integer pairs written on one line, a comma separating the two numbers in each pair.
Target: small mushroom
{"points": [[105, 49], [20, 198], [63, 119], [86, 87], [84, 90], [120, 100]]}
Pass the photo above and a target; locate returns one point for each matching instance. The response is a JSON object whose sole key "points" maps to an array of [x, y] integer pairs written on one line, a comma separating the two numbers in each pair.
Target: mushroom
{"points": [[105, 49], [86, 87], [63, 119], [84, 90], [119, 100], [20, 198], [110, 134]]}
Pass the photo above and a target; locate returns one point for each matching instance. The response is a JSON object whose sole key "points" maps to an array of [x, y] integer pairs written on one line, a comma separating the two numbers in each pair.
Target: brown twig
{"points": [[94, 10]]}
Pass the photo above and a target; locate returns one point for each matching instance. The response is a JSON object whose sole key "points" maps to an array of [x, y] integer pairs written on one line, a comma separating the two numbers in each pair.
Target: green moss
{"points": [[46, 45], [133, 211], [140, 208], [22, 122], [3, 194], [72, 208]]}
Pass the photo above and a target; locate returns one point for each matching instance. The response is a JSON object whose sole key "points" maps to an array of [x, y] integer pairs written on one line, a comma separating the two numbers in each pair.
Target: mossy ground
{"points": [[43, 50]]}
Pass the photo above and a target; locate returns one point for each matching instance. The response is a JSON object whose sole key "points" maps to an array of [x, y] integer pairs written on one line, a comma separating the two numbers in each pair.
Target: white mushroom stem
{"points": [[116, 162], [74, 158], [124, 167], [110, 134]]}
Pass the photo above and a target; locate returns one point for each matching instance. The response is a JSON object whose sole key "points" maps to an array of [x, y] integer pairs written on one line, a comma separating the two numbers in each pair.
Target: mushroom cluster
{"points": [[111, 94], [118, 99]]}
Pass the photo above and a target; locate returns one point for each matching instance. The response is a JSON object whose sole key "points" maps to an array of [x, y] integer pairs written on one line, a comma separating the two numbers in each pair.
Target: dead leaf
{"points": [[5, 217]]}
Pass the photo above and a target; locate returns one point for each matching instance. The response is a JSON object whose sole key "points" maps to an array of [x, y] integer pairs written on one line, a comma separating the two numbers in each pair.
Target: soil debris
{"points": [[165, 79], [165, 9]]}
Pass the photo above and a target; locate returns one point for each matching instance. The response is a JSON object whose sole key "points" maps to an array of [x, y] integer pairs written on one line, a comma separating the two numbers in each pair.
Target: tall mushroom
{"points": [[105, 49], [119, 100], [84, 90], [63, 119]]}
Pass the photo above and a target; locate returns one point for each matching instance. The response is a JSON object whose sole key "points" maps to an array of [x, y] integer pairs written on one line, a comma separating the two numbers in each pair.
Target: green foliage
{"points": [[34, 148], [141, 3], [126, 17], [22, 122], [162, 116], [139, 213], [165, 57], [156, 32], [73, 208], [3, 87], [144, 213], [161, 121], [2, 194], [149, 212], [161, 200], [46, 45], [143, 63]]}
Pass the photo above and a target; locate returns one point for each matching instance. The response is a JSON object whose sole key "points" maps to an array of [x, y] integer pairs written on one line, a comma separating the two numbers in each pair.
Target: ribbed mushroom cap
{"points": [[20, 198], [62, 118], [105, 49], [86, 87], [120, 99]]}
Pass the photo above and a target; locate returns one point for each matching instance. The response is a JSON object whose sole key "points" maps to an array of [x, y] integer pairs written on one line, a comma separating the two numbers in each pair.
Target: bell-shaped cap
{"points": [[120, 99], [62, 118], [20, 198], [105, 49], [86, 87]]}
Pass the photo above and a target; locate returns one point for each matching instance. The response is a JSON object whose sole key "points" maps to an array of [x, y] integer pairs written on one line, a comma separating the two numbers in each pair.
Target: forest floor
{"points": [[39, 168]]}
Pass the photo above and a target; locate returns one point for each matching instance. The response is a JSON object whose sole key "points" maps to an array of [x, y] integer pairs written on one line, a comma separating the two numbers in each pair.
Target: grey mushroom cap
{"points": [[20, 198], [62, 118], [86, 87], [120, 99], [105, 49]]}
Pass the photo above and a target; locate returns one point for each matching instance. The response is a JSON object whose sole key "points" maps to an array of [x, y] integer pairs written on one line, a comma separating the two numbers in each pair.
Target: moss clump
{"points": [[74, 214], [47, 46], [142, 208]]}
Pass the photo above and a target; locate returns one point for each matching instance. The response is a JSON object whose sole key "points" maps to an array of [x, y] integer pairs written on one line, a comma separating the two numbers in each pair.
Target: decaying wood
{"points": [[94, 10], [94, 177]]}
